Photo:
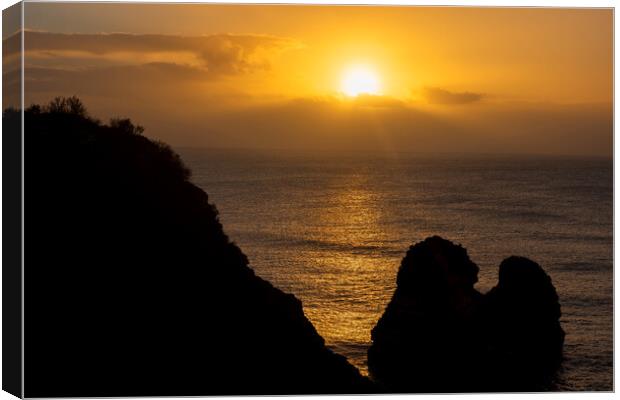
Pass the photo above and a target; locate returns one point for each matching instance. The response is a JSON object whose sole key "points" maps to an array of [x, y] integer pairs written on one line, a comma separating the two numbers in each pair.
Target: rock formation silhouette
{"points": [[439, 334], [132, 287], [522, 327], [427, 337]]}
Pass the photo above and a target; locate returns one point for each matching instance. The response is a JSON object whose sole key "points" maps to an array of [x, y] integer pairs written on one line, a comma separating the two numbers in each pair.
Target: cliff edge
{"points": [[131, 285]]}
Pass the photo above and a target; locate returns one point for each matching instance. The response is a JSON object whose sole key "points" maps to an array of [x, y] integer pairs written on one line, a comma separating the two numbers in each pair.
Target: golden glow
{"points": [[360, 80], [395, 78]]}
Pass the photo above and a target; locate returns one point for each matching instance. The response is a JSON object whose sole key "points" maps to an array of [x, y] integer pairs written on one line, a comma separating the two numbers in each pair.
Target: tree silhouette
{"points": [[125, 125], [67, 105]]}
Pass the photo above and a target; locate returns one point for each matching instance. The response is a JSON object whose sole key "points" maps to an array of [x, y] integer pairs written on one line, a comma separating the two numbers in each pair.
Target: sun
{"points": [[360, 80]]}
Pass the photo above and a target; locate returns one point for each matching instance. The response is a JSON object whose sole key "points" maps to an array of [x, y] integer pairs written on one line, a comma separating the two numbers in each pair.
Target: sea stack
{"points": [[522, 327], [439, 334], [426, 339]]}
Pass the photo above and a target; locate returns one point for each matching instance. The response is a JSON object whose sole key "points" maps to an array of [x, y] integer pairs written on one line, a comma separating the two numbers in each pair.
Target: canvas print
{"points": [[228, 199]]}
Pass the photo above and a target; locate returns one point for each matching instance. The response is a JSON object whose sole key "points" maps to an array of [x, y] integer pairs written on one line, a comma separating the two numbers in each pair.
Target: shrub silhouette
{"points": [[67, 105], [125, 125], [131, 285]]}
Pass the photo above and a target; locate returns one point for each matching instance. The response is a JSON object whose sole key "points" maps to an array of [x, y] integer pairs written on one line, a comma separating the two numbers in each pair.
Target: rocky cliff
{"points": [[131, 285]]}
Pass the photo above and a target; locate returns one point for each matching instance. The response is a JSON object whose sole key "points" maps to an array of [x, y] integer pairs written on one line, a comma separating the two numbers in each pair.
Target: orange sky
{"points": [[450, 79]]}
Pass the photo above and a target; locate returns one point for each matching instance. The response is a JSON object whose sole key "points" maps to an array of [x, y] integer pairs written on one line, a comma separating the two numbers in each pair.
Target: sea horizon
{"points": [[387, 154]]}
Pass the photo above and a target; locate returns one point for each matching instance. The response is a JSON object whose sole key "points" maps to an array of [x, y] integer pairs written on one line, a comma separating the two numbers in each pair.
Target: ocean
{"points": [[333, 228]]}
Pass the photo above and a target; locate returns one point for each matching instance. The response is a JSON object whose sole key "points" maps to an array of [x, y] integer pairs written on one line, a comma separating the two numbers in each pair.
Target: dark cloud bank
{"points": [[222, 53], [441, 96]]}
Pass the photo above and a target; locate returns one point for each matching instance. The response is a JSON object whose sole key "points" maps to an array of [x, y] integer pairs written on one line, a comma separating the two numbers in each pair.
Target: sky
{"points": [[386, 79]]}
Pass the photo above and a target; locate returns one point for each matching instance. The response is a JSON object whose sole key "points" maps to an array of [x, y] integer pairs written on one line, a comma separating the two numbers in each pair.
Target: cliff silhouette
{"points": [[133, 288], [131, 285]]}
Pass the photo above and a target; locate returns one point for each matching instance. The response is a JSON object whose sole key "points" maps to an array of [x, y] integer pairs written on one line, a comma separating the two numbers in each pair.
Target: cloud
{"points": [[370, 100], [138, 67], [135, 81], [326, 123], [436, 95], [342, 125], [222, 53]]}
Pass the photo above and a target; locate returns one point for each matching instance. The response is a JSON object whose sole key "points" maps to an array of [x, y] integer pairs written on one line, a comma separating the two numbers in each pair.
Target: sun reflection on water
{"points": [[353, 277]]}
